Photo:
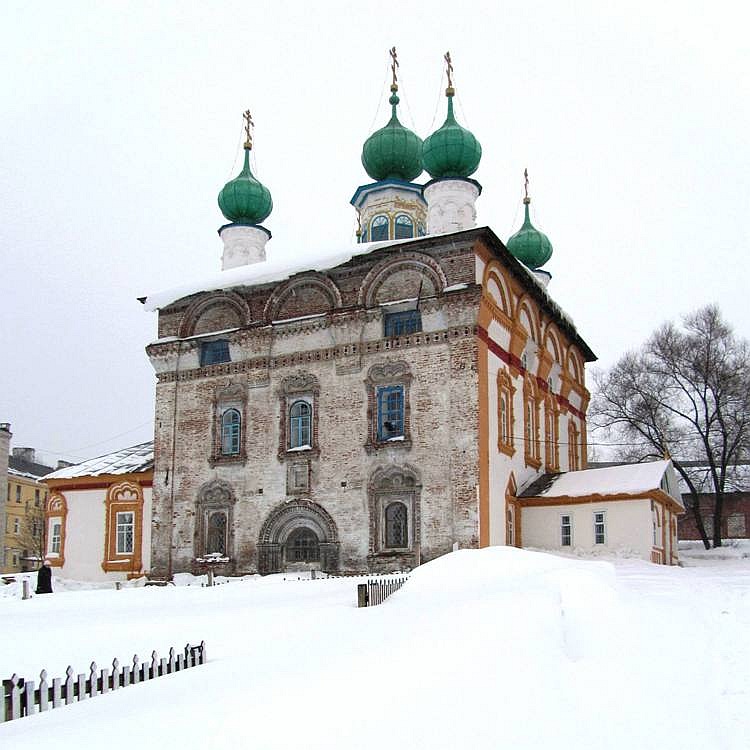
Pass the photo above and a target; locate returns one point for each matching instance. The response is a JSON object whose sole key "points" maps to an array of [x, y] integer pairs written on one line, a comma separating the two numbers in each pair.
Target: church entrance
{"points": [[302, 546], [298, 535]]}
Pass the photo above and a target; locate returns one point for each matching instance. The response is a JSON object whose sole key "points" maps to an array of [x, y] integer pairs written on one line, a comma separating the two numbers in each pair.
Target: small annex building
{"points": [[630, 508], [98, 516]]}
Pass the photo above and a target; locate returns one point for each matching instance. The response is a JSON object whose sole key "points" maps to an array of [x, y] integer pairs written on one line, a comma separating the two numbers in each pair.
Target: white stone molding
{"points": [[451, 205], [243, 245]]}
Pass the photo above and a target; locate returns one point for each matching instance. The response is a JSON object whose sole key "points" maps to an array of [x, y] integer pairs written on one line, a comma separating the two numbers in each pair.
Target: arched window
{"points": [[396, 530], [505, 392], [299, 424], [230, 432], [404, 227], [302, 546], [216, 533], [379, 228]]}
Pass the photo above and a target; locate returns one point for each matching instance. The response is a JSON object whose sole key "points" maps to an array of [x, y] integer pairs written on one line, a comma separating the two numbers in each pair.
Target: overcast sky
{"points": [[120, 122]]}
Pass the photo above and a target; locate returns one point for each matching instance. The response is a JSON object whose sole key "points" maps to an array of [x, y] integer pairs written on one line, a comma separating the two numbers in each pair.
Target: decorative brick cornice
{"points": [[322, 355]]}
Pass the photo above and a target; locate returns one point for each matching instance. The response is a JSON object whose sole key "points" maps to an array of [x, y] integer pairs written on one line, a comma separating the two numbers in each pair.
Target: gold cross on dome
{"points": [[449, 68], [248, 128], [526, 184], [394, 65]]}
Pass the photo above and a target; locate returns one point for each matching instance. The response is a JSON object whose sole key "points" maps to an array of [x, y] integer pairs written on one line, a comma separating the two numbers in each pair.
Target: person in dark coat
{"points": [[44, 579]]}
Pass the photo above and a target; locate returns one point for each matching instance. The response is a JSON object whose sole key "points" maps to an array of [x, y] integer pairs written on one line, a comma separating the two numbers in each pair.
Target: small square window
{"points": [[214, 352], [402, 323]]}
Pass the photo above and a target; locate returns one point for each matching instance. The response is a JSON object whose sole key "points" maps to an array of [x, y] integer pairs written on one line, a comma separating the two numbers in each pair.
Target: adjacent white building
{"points": [[98, 516], [629, 509]]}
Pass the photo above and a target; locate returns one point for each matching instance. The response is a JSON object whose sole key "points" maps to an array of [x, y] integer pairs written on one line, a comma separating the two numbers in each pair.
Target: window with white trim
{"points": [[300, 423], [566, 531], [231, 424], [125, 532], [16, 525], [390, 412], [55, 537], [600, 527]]}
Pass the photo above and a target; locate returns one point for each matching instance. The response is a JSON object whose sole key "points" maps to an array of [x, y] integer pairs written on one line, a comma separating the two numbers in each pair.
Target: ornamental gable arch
{"points": [[404, 277], [308, 294], [497, 289], [217, 311]]}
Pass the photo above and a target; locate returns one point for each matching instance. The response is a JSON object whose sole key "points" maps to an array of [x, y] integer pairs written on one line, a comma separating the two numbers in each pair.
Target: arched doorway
{"points": [[298, 534]]}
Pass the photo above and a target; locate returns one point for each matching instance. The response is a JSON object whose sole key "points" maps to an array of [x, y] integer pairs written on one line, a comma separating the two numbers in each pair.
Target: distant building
{"points": [[97, 520], [23, 537], [735, 522]]}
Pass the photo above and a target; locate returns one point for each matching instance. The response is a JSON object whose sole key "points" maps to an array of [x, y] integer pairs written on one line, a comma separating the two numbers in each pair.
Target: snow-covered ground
{"points": [[480, 649]]}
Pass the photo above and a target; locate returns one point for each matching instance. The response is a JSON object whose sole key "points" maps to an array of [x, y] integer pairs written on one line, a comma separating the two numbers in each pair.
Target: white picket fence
{"points": [[21, 697]]}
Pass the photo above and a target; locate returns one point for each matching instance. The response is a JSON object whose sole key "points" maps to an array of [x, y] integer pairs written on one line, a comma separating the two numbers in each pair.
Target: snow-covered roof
{"points": [[613, 480], [281, 266], [125, 461]]}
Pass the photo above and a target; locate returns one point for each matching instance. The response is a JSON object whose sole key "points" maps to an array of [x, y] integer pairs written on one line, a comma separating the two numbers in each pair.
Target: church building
{"points": [[376, 407]]}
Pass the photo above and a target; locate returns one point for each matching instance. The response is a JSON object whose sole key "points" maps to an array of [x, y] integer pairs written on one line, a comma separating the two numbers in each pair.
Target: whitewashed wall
{"points": [[628, 527], [85, 536]]}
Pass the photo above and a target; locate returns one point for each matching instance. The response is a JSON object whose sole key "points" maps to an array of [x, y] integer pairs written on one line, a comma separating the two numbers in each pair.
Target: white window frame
{"points": [[124, 526], [55, 537], [603, 524], [569, 527]]}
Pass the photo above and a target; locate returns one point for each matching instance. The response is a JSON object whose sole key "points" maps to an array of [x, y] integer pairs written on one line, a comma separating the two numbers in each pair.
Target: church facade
{"points": [[374, 409]]}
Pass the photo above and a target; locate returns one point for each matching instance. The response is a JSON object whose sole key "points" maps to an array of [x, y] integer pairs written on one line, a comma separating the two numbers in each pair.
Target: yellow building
{"points": [[23, 541]]}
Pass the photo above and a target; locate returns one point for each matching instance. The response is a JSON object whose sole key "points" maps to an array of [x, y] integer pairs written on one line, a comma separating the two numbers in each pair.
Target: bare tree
{"points": [[685, 393]]}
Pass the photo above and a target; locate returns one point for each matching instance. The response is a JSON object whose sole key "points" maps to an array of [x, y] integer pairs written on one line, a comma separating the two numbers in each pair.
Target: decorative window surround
{"points": [[122, 499], [302, 387], [505, 421], [381, 378], [214, 513], [390, 487], [227, 398], [531, 424], [551, 435], [573, 454], [57, 513]]}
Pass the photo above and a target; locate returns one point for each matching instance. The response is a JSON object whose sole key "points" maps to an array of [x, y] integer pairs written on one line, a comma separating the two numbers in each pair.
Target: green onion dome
{"points": [[529, 245], [393, 152], [245, 200], [451, 151]]}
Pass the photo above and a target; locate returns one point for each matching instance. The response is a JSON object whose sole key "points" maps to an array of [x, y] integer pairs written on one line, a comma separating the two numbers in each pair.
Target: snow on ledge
{"points": [[268, 271]]}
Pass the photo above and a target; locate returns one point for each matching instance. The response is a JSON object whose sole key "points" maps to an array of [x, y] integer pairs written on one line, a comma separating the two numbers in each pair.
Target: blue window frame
{"points": [[300, 419], [390, 412], [404, 227], [231, 422], [379, 228], [402, 323], [214, 352]]}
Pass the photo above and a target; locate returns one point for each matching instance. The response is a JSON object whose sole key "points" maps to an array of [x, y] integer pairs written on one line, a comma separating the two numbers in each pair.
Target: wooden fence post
{"points": [[43, 691], [362, 595], [28, 697], [68, 689]]}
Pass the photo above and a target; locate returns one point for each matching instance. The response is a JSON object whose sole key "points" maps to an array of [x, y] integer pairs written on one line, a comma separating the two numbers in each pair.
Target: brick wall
{"points": [[338, 351]]}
